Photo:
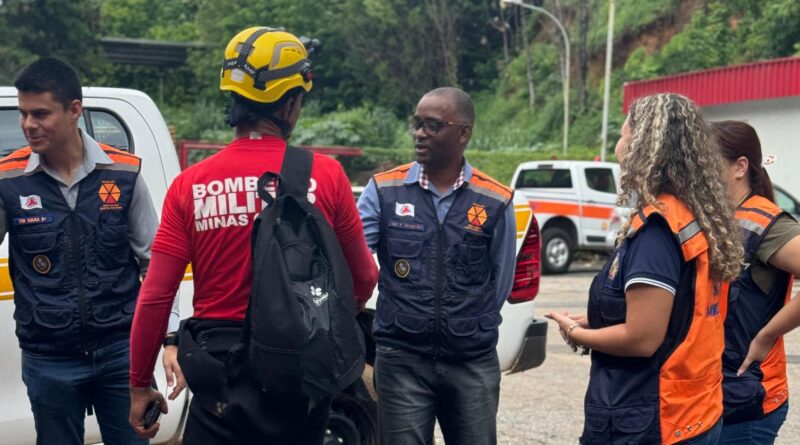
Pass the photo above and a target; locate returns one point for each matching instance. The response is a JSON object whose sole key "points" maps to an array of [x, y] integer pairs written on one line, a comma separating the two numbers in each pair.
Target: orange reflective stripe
{"points": [[570, 209], [15, 160], [558, 208], [483, 180], [13, 165], [397, 173], [120, 156]]}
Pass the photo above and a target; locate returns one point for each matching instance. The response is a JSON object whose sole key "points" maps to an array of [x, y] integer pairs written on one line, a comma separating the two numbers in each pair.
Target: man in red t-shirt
{"points": [[207, 221]]}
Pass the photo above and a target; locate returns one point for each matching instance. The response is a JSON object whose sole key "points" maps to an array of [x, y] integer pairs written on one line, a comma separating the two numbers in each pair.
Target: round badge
{"points": [[402, 268], [41, 264]]}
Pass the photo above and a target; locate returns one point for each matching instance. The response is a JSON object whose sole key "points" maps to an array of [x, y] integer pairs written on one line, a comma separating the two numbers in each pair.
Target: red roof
{"points": [[767, 79]]}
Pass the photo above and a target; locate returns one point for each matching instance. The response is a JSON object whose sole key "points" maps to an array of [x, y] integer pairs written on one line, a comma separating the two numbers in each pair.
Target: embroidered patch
{"points": [[402, 268], [41, 264], [406, 226], [109, 194], [401, 209], [30, 202], [476, 217], [38, 219], [614, 269]]}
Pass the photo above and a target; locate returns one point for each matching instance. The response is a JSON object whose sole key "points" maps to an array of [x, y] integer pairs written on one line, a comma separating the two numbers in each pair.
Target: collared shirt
{"points": [[502, 252], [142, 217], [425, 182]]}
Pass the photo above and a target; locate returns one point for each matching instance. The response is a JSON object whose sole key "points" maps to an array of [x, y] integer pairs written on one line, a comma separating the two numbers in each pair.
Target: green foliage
{"points": [[723, 33], [380, 56], [37, 28]]}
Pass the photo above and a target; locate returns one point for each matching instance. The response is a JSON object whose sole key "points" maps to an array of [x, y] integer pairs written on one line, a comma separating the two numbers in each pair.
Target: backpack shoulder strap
{"points": [[295, 172]]}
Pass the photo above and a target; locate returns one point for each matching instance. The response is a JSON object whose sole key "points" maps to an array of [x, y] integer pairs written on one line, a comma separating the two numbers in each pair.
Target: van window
{"points": [[601, 180], [11, 137], [105, 128], [545, 178], [785, 202]]}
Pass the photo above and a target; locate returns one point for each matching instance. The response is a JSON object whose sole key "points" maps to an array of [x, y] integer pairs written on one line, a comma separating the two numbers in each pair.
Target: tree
{"points": [[38, 28]]}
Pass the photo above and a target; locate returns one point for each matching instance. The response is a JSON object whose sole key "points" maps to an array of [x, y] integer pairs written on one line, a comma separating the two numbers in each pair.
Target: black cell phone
{"points": [[152, 413]]}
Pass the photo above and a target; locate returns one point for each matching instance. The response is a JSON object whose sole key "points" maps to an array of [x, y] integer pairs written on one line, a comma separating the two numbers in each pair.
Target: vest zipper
{"points": [[77, 258], [439, 285]]}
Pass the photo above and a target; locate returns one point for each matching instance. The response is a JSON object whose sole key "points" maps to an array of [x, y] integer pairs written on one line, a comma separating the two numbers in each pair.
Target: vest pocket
{"points": [[53, 317], [743, 397], [108, 314], [42, 263], [612, 309], [630, 425], [406, 259], [112, 247], [471, 264]]}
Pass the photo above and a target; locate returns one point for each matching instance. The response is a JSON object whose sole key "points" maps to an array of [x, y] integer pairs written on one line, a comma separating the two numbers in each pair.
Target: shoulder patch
{"points": [[486, 182]]}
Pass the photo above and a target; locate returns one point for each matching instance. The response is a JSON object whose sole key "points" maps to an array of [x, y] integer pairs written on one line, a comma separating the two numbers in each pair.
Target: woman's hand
{"points": [[759, 348]]}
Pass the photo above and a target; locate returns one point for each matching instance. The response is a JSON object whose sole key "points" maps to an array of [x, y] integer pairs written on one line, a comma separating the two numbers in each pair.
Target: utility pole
{"points": [[607, 82]]}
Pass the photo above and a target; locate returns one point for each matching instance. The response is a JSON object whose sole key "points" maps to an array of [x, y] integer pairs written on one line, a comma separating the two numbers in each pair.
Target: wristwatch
{"points": [[171, 339]]}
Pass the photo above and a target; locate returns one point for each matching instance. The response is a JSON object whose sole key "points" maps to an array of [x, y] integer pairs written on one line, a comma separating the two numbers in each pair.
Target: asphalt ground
{"points": [[545, 405]]}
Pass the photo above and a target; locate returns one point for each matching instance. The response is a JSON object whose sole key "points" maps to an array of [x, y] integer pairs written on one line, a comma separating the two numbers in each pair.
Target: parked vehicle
{"points": [[573, 202], [786, 201], [129, 120]]}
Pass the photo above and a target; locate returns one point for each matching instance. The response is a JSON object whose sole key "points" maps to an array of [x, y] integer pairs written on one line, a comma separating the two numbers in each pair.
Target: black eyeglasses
{"points": [[430, 126]]}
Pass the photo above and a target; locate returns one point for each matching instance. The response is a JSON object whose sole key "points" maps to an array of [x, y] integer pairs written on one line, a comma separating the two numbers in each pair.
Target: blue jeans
{"points": [[762, 431], [414, 391], [61, 388]]}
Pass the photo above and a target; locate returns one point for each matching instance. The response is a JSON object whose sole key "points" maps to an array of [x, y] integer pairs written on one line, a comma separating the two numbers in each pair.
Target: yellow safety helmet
{"points": [[262, 64]]}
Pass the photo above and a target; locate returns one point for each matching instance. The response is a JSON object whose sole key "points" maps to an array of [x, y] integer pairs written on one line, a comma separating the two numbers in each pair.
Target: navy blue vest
{"points": [[437, 288], [74, 273], [763, 388]]}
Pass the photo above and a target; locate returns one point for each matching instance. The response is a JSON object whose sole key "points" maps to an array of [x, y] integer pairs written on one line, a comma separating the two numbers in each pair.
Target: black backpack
{"points": [[300, 335]]}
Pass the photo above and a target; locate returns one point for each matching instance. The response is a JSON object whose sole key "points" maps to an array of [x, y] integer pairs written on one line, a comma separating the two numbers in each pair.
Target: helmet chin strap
{"points": [[284, 126]]}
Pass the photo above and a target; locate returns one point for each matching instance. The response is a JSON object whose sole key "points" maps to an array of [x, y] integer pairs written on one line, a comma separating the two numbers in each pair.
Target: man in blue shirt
{"points": [[445, 236]]}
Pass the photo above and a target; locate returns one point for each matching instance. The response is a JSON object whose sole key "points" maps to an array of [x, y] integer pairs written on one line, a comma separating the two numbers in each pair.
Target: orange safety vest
{"points": [[681, 384], [763, 387]]}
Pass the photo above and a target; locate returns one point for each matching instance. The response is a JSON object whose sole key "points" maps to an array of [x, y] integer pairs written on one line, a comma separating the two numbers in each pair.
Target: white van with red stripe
{"points": [[574, 202]]}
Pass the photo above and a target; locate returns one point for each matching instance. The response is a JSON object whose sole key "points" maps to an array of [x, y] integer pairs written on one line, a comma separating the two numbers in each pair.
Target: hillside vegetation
{"points": [[380, 56]]}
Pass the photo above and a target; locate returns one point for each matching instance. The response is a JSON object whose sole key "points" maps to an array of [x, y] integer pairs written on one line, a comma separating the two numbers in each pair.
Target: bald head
{"points": [[460, 101]]}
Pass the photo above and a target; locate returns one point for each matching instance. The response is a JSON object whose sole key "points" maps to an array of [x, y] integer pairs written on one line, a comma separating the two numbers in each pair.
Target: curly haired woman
{"points": [[654, 321]]}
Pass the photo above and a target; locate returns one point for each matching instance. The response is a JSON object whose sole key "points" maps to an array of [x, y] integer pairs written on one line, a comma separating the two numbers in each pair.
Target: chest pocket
{"points": [[608, 292], [42, 259], [469, 261], [407, 259], [112, 248]]}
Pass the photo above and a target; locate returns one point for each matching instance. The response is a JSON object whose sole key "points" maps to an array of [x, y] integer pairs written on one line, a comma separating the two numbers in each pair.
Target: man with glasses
{"points": [[445, 237]]}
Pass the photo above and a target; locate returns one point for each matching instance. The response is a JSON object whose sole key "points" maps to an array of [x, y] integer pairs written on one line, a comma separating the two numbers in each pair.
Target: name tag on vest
{"points": [[407, 225], [38, 219]]}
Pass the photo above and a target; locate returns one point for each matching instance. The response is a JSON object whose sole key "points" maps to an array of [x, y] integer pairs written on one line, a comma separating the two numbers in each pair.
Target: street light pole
{"points": [[565, 76], [607, 83]]}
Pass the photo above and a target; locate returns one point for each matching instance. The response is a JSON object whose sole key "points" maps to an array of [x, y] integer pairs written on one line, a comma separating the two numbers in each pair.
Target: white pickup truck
{"points": [[129, 120], [574, 202]]}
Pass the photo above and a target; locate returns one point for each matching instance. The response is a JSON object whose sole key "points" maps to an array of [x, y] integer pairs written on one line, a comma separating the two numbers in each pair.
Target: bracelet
{"points": [[171, 339], [584, 349], [571, 327]]}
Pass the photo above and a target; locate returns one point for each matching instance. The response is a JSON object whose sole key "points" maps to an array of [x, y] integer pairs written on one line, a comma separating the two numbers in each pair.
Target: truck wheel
{"points": [[557, 251], [354, 418]]}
